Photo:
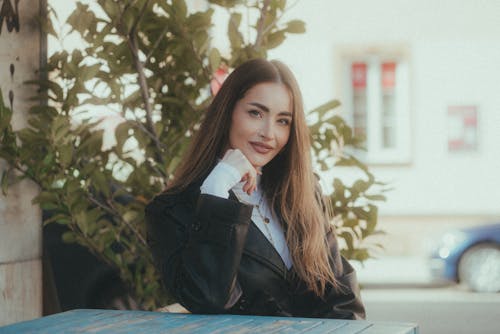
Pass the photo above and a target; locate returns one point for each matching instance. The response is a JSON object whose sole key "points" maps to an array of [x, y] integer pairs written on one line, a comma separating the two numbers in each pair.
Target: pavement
{"points": [[440, 310], [401, 289]]}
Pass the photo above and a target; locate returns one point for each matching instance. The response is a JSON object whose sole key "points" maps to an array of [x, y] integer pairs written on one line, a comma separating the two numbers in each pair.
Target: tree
{"points": [[149, 63]]}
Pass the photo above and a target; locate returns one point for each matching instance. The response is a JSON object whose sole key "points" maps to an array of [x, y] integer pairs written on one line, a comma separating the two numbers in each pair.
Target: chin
{"points": [[258, 165], [256, 162], [259, 160]]}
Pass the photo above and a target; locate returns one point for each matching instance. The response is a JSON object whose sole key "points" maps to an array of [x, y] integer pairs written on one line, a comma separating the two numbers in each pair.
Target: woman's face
{"points": [[261, 122]]}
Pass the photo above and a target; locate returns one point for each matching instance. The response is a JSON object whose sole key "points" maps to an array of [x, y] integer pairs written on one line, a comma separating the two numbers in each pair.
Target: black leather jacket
{"points": [[213, 259]]}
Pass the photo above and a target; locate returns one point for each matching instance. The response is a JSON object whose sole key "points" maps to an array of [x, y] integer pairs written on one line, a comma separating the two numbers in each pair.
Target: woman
{"points": [[242, 228]]}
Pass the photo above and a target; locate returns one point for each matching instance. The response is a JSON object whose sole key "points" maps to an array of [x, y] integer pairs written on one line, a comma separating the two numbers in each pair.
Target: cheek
{"points": [[283, 137], [238, 129]]}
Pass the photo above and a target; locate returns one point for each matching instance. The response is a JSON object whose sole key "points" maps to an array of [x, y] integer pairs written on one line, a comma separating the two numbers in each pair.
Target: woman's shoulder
{"points": [[173, 198]]}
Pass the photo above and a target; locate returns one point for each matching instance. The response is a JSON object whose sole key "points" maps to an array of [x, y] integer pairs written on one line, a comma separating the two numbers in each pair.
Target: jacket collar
{"points": [[260, 248]]}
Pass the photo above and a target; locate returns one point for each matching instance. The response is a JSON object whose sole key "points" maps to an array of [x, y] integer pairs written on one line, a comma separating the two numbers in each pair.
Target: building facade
{"points": [[420, 80]]}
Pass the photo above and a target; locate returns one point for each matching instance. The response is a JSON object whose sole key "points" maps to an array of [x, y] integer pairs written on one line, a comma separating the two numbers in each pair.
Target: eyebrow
{"points": [[266, 109]]}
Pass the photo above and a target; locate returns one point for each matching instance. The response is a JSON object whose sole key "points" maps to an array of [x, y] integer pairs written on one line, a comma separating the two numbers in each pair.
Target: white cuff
{"points": [[222, 178]]}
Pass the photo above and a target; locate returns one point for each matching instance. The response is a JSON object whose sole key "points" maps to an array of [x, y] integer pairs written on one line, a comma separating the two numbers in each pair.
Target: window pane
{"points": [[359, 114], [388, 82], [389, 137], [358, 79]]}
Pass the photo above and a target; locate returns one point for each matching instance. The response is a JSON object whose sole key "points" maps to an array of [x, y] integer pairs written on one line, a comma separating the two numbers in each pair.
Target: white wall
{"points": [[454, 59]]}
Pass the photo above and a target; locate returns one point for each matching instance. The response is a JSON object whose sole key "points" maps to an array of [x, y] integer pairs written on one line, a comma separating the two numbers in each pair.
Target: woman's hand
{"points": [[248, 172]]}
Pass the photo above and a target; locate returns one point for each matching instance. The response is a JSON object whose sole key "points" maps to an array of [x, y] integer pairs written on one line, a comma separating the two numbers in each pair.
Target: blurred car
{"points": [[470, 256]]}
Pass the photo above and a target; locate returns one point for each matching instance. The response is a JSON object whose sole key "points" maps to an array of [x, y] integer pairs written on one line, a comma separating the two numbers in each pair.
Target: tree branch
{"points": [[139, 66], [260, 24], [115, 213]]}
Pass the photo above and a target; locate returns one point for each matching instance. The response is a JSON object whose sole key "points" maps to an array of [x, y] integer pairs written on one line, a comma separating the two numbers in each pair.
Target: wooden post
{"points": [[22, 51]]}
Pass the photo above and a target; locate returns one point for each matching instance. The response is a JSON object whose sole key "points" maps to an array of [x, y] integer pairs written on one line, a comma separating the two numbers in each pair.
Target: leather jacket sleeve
{"points": [[198, 249]]}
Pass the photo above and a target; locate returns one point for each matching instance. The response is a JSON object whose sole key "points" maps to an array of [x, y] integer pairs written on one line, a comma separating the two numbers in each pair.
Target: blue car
{"points": [[470, 256]]}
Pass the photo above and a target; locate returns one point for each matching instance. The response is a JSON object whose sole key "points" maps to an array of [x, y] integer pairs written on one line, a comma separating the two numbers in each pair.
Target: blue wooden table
{"points": [[111, 321]]}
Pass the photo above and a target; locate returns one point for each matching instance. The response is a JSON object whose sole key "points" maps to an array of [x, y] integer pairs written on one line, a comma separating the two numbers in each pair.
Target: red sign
{"points": [[358, 73], [388, 75]]}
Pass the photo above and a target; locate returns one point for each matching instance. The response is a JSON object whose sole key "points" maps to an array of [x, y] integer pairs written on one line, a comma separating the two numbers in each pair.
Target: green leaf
{"points": [[69, 237], [60, 129], [89, 72], [60, 218], [351, 223], [93, 143], [214, 59], [361, 213], [338, 186], [81, 220], [235, 37], [200, 20], [348, 162], [348, 239], [376, 197], [361, 254], [296, 27], [130, 216], [50, 86], [180, 9], [360, 186], [81, 19], [46, 197], [48, 27], [275, 39], [128, 19], [201, 42], [280, 4], [111, 8], [48, 159], [100, 182]]}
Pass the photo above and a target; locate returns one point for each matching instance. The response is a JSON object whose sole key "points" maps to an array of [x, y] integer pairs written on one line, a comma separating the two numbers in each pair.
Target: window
{"points": [[375, 96]]}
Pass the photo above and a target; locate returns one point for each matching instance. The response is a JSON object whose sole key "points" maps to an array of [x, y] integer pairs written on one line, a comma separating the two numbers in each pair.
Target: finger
{"points": [[249, 190], [252, 185], [250, 182], [252, 189], [244, 177], [247, 183]]}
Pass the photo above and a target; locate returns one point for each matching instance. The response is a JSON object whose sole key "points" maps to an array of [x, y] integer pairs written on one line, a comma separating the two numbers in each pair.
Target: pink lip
{"points": [[261, 147]]}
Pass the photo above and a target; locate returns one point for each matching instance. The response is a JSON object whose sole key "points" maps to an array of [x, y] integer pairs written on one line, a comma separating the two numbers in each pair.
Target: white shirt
{"points": [[225, 177]]}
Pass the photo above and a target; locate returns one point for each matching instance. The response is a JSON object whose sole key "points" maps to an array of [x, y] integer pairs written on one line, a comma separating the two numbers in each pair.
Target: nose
{"points": [[266, 130]]}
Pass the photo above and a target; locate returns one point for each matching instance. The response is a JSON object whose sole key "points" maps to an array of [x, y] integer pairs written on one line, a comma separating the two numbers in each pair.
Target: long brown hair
{"points": [[288, 181]]}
